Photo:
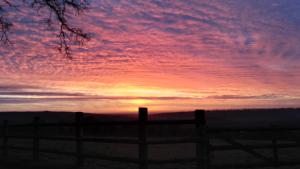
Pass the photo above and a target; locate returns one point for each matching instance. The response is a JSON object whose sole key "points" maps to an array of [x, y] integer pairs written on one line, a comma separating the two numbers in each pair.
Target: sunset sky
{"points": [[168, 55]]}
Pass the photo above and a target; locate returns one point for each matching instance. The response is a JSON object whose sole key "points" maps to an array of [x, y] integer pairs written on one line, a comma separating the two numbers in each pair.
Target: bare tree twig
{"points": [[59, 15]]}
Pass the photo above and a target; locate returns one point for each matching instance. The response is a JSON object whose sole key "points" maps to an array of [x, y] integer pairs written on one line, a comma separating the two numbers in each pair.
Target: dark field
{"points": [[254, 135]]}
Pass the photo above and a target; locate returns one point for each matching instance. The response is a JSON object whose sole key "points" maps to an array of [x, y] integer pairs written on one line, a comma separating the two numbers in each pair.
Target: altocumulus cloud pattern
{"points": [[215, 51]]}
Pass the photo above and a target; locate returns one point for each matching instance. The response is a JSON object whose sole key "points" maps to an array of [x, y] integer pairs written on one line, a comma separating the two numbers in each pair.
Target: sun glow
{"points": [[140, 102]]}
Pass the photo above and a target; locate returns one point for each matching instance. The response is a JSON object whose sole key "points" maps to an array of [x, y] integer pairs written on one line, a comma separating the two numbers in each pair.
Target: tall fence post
{"points": [[36, 142], [202, 144], [4, 138], [143, 151], [275, 152], [78, 136]]}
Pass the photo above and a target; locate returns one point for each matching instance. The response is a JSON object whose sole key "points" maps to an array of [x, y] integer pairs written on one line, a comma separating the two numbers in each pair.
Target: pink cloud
{"points": [[229, 47]]}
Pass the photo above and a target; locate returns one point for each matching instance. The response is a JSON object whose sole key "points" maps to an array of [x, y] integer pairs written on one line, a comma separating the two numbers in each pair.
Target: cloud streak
{"points": [[236, 49], [241, 97]]}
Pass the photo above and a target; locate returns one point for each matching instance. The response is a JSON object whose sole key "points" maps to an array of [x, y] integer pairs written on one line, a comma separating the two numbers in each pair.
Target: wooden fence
{"points": [[201, 139]]}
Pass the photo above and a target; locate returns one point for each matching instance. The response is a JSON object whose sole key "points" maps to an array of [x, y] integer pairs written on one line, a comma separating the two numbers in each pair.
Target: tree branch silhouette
{"points": [[60, 14]]}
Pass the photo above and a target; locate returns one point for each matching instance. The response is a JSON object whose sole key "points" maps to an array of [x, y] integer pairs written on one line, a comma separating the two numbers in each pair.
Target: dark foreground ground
{"points": [[266, 118]]}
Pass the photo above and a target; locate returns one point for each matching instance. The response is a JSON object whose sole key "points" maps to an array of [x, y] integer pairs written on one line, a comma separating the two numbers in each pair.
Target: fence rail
{"points": [[201, 141]]}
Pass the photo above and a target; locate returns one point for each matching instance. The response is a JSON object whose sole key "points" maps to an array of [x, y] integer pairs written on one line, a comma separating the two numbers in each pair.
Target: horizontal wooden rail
{"points": [[85, 139], [54, 138], [174, 140], [258, 129], [259, 137], [65, 124], [256, 165], [173, 161], [111, 140], [264, 146], [156, 141], [112, 158], [111, 123], [91, 156], [42, 150], [171, 122], [162, 122]]}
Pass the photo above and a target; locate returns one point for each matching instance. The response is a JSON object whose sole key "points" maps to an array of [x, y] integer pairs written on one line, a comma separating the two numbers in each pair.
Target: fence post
{"points": [[4, 138], [36, 142], [202, 144], [275, 152], [143, 151], [78, 136]]}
